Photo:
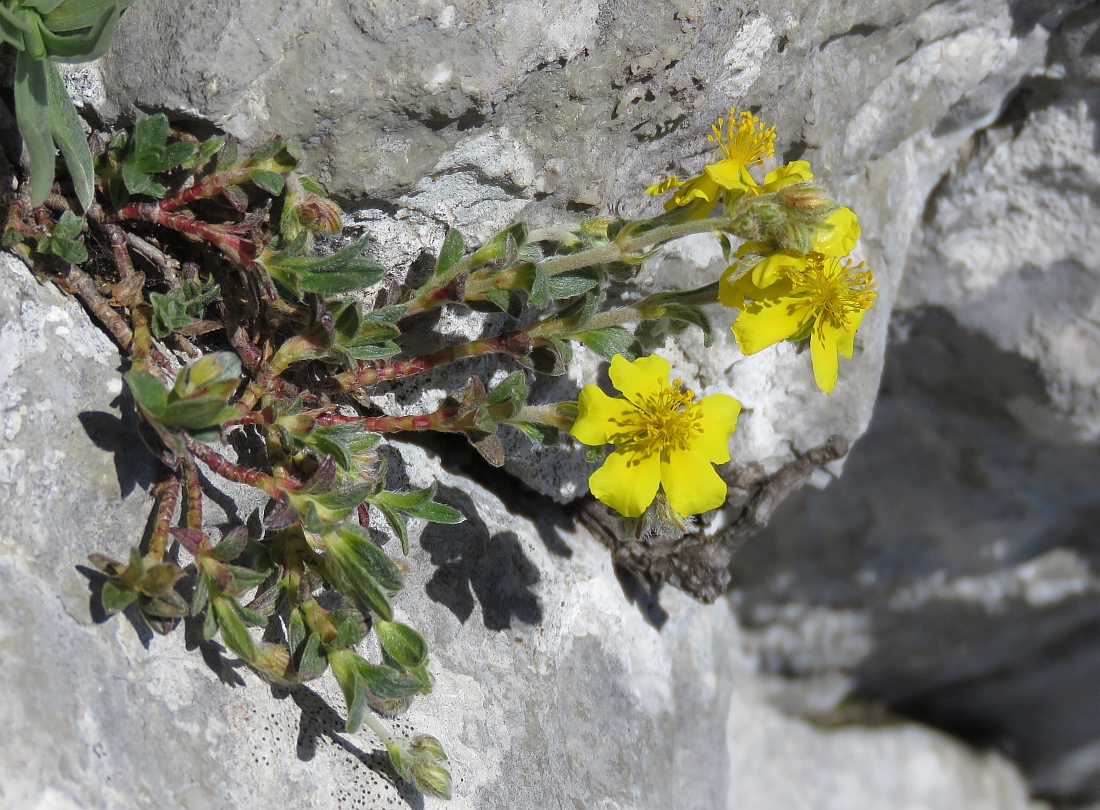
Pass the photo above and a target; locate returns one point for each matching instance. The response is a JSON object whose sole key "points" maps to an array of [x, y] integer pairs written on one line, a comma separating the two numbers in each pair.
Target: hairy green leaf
{"points": [[33, 119]]}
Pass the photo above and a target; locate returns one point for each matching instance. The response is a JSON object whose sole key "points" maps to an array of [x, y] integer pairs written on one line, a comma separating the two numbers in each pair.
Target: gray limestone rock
{"points": [[551, 688], [446, 115], [961, 542], [950, 571]]}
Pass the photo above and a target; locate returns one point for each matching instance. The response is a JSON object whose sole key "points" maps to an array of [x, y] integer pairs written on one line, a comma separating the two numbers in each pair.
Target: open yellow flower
{"points": [[770, 277], [662, 439], [744, 141], [826, 299]]}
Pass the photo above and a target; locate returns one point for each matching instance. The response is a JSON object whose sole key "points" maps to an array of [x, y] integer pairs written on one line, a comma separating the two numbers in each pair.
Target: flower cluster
{"points": [[792, 278]]}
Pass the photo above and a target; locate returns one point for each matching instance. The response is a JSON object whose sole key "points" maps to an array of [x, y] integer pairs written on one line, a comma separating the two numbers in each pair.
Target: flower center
{"points": [[666, 420], [836, 291], [745, 140]]}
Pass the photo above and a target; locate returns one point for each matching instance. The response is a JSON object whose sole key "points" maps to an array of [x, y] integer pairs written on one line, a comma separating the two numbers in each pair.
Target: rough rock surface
{"points": [[423, 115], [473, 116], [960, 546], [552, 689]]}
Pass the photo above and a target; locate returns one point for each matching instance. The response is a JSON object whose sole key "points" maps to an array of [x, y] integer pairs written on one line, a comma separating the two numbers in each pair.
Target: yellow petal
{"points": [[761, 324], [641, 378], [776, 266], [718, 419], [599, 416], [627, 482], [797, 171], [846, 339], [701, 188], [841, 238], [823, 353], [691, 483], [660, 188], [730, 175]]}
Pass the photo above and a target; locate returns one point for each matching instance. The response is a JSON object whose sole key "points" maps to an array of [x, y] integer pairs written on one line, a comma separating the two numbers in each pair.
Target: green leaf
{"points": [[197, 413], [368, 572], [312, 663], [387, 684], [450, 253], [540, 289], [148, 392], [610, 341], [69, 226], [115, 598], [234, 633], [232, 545], [10, 33], [271, 182], [404, 648], [340, 272], [436, 513], [68, 134], [200, 597], [351, 629], [227, 157], [687, 314], [209, 624], [507, 301], [75, 14], [33, 119], [513, 390], [397, 523], [573, 283], [296, 630], [406, 500], [68, 250], [207, 149], [547, 435], [216, 374], [82, 46], [513, 237]]}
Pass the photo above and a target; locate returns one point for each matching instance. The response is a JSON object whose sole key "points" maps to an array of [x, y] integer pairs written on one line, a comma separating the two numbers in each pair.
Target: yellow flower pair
{"points": [[785, 295]]}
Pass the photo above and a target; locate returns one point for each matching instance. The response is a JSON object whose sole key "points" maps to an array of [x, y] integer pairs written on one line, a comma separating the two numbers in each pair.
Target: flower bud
{"points": [[432, 779], [807, 199]]}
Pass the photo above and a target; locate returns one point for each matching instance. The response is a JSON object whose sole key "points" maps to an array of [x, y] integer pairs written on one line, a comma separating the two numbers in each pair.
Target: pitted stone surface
{"points": [[551, 688]]}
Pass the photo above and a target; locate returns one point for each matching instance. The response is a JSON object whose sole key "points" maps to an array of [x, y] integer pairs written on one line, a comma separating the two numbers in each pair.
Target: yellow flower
{"points": [[769, 278], [662, 439], [745, 142], [826, 299]]}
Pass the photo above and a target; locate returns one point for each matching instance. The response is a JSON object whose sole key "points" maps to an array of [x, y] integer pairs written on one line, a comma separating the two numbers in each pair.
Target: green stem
{"points": [[429, 295], [375, 725]]}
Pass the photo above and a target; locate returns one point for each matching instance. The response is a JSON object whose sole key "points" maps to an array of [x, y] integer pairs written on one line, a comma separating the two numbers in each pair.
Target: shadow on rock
{"points": [[319, 720], [456, 456], [474, 565], [135, 466]]}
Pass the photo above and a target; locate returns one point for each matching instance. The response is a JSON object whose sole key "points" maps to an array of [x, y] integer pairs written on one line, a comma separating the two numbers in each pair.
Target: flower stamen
{"points": [[745, 140], [836, 290], [666, 420]]}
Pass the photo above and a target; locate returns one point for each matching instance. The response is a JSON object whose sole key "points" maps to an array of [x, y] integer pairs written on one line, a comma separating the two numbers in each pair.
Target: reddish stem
{"points": [[275, 487], [209, 186], [194, 494], [396, 424], [515, 344], [168, 494], [123, 261], [239, 250]]}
